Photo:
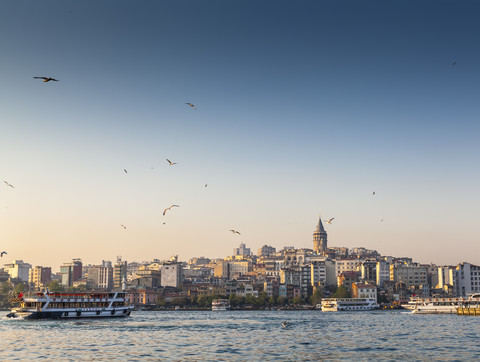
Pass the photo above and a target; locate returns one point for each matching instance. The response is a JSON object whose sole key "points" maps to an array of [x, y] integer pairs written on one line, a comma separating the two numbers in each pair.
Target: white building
{"points": [[468, 279], [18, 270], [171, 275]]}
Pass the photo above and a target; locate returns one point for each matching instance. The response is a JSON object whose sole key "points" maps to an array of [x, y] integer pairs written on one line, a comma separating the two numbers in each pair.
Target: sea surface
{"points": [[245, 336]]}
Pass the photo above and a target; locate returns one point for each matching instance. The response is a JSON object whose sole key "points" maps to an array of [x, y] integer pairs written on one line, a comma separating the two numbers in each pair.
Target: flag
{"points": [[20, 295]]}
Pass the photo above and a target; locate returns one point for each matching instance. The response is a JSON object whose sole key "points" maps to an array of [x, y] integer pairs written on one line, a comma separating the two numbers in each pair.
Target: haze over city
{"points": [[301, 109]]}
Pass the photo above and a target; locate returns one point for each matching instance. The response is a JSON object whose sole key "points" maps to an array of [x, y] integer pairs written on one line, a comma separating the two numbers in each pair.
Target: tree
{"points": [[298, 300], [316, 297], [19, 288], [55, 286], [341, 292]]}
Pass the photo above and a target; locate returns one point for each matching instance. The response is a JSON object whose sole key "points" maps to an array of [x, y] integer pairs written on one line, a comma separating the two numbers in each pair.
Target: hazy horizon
{"points": [[303, 109]]}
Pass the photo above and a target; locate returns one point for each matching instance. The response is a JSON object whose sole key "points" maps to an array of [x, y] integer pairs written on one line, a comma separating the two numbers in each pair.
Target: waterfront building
{"points": [[364, 290], [40, 276], [143, 297], [467, 279], [18, 270], [444, 281], [71, 272], [199, 261], [414, 276], [100, 276], [320, 244]]}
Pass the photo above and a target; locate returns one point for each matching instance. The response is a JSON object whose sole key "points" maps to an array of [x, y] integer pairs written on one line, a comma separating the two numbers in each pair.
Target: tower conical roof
{"points": [[320, 228]]}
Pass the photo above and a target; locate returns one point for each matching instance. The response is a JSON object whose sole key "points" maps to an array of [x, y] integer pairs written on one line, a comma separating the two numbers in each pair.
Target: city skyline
{"points": [[365, 113]]}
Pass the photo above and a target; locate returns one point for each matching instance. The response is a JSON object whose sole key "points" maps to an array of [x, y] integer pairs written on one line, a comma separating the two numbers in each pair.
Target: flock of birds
{"points": [[170, 163]]}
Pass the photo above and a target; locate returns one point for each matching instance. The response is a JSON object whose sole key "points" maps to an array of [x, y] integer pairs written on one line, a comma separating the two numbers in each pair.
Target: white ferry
{"points": [[441, 305], [348, 304], [220, 304], [81, 305]]}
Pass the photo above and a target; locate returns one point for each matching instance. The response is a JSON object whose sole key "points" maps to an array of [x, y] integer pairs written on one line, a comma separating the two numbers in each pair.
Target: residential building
{"points": [[40, 276], [171, 274], [467, 279], [266, 250], [18, 270], [71, 272], [364, 290], [242, 251], [100, 276]]}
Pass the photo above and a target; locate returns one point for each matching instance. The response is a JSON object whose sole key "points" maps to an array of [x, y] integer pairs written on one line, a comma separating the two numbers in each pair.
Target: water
{"points": [[245, 335]]}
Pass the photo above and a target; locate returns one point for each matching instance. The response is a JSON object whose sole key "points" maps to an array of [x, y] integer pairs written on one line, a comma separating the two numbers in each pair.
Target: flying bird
{"points": [[329, 221], [168, 208], [125, 171], [3, 252], [6, 183], [235, 232], [123, 226], [46, 79], [453, 64], [373, 193], [206, 185], [171, 163], [191, 105]]}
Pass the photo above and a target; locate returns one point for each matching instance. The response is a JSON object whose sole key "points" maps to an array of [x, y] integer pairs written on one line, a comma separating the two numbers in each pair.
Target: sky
{"points": [[303, 110]]}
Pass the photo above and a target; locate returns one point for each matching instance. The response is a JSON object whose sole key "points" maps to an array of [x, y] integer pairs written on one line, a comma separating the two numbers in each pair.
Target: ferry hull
{"points": [[70, 314]]}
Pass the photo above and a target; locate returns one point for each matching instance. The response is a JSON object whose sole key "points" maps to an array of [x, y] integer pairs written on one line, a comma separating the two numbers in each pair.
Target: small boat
{"points": [[348, 304], [48, 305], [220, 304]]}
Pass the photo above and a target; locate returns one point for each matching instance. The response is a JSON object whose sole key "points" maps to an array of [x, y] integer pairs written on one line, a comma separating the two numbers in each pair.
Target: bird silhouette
{"points": [[6, 183], [171, 163], [235, 232], [329, 221], [3, 252], [125, 171], [168, 208], [373, 193], [46, 79], [123, 226], [191, 105]]}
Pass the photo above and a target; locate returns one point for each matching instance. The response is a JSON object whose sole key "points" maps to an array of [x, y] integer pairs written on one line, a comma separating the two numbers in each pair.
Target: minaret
{"points": [[319, 238]]}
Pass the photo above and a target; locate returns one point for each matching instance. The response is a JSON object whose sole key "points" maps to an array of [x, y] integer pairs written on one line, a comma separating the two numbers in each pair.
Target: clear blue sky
{"points": [[303, 108]]}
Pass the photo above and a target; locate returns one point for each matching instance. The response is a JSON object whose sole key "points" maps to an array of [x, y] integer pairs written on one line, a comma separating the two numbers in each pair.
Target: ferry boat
{"points": [[220, 304], [81, 305], [441, 305], [348, 304]]}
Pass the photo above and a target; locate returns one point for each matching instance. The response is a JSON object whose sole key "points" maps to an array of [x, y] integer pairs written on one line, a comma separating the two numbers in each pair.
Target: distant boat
{"points": [[348, 304], [220, 304]]}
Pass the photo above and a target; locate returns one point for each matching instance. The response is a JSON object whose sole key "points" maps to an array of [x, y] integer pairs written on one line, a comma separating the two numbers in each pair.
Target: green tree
{"points": [[341, 292], [55, 286], [272, 300], [262, 298], [19, 288], [298, 300], [316, 297]]}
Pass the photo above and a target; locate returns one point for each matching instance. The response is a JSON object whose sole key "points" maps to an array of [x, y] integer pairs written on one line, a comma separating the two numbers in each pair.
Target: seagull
{"points": [[373, 193], [329, 221], [123, 226], [45, 79], [206, 185], [235, 232], [170, 162], [6, 183], [3, 252], [191, 105], [284, 324], [125, 171], [168, 208], [453, 64], [381, 220]]}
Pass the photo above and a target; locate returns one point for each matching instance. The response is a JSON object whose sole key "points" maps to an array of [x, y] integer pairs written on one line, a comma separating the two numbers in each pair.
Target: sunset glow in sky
{"points": [[303, 108]]}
